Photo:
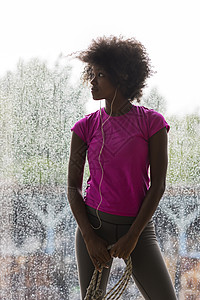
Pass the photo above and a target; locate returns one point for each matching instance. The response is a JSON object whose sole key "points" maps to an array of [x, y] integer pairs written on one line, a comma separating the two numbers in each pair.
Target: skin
{"points": [[102, 88]]}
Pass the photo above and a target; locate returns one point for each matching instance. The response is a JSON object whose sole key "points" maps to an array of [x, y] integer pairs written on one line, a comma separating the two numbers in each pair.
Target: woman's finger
{"points": [[113, 252], [99, 262], [97, 265]]}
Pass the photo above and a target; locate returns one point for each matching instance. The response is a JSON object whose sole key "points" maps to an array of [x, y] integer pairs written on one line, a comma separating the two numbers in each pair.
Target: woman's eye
{"points": [[101, 74]]}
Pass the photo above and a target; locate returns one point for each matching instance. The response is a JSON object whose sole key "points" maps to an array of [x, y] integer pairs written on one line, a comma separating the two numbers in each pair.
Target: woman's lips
{"points": [[94, 89]]}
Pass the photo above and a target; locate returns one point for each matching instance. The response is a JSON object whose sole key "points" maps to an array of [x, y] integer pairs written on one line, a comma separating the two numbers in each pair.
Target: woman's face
{"points": [[102, 88]]}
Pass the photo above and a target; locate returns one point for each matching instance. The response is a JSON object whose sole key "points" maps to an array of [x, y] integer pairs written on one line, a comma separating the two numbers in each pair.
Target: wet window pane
{"points": [[38, 106]]}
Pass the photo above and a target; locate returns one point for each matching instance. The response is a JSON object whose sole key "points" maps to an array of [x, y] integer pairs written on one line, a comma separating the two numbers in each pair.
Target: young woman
{"points": [[121, 141]]}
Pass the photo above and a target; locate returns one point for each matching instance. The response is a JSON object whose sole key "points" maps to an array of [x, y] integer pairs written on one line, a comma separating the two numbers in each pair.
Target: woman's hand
{"points": [[98, 251], [124, 246]]}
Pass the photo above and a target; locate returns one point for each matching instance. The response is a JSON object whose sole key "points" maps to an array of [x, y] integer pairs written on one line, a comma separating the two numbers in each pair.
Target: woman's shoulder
{"points": [[140, 109], [150, 119], [147, 113], [87, 122], [93, 114], [88, 117], [91, 118]]}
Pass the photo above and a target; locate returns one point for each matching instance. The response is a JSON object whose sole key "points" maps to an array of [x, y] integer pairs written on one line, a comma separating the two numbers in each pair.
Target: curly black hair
{"points": [[124, 60]]}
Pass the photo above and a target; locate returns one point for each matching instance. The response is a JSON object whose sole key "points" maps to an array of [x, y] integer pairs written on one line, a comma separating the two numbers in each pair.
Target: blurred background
{"points": [[42, 96]]}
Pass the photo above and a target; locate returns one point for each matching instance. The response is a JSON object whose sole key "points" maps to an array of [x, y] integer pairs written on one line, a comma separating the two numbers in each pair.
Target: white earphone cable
{"points": [[97, 209]]}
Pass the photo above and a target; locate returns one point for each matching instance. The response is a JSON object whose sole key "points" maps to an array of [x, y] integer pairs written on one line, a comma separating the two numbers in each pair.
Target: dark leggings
{"points": [[149, 271]]}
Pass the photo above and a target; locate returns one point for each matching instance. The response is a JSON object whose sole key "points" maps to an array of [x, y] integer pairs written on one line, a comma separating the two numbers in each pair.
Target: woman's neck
{"points": [[118, 108]]}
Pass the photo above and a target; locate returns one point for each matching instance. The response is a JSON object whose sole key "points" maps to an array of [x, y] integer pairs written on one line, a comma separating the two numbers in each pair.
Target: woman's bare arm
{"points": [[75, 179], [97, 247], [158, 168]]}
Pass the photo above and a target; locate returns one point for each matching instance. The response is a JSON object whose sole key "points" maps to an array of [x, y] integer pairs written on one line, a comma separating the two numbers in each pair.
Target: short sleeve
{"points": [[156, 122], [80, 128]]}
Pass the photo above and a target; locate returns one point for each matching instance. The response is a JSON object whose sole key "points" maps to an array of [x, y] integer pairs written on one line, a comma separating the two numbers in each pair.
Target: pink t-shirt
{"points": [[124, 158]]}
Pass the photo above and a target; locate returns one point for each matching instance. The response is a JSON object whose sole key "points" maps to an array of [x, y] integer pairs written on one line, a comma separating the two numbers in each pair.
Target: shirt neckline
{"points": [[119, 115]]}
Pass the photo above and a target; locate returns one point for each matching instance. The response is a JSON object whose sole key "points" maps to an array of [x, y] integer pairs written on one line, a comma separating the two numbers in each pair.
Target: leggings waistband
{"points": [[114, 219]]}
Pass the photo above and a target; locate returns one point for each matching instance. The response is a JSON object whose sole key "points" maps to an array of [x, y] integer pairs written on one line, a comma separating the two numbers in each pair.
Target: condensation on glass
{"points": [[38, 106]]}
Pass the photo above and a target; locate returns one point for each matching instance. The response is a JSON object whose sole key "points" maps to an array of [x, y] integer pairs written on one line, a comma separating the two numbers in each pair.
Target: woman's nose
{"points": [[93, 80]]}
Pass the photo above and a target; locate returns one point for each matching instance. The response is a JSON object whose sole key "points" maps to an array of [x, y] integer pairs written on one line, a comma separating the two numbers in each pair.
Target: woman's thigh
{"points": [[85, 265], [149, 269]]}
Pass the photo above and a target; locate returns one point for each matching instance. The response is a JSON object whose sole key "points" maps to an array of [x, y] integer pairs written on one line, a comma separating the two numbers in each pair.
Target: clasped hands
{"points": [[101, 252]]}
